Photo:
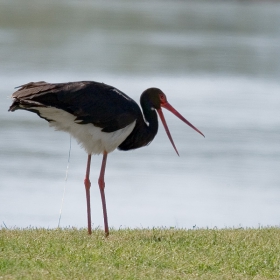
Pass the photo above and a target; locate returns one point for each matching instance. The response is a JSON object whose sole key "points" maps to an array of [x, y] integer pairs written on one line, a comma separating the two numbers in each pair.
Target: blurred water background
{"points": [[218, 63]]}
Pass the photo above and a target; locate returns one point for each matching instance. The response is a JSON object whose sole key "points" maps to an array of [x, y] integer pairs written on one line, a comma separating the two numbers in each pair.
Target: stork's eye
{"points": [[161, 97]]}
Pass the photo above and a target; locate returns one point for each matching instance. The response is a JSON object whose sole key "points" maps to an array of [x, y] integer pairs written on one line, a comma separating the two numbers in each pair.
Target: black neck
{"points": [[145, 129], [151, 127]]}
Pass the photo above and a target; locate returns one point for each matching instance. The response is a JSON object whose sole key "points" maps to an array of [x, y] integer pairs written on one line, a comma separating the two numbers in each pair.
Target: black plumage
{"points": [[91, 102]]}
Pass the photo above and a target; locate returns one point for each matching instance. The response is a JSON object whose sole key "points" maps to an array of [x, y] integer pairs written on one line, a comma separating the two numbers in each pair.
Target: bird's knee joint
{"points": [[87, 183], [101, 183]]}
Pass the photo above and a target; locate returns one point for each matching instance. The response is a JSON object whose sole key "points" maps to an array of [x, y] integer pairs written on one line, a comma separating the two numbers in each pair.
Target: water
{"points": [[218, 63]]}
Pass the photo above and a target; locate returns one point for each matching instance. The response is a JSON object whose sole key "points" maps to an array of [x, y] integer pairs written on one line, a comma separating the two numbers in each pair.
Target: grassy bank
{"points": [[140, 254]]}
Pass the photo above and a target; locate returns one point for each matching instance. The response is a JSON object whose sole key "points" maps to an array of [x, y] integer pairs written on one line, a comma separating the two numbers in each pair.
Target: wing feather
{"points": [[91, 102]]}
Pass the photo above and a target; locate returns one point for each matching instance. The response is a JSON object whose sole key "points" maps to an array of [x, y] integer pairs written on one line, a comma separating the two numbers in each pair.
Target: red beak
{"points": [[167, 106]]}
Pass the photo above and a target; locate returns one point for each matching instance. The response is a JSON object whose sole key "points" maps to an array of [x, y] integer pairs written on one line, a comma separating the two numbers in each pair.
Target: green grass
{"points": [[140, 254]]}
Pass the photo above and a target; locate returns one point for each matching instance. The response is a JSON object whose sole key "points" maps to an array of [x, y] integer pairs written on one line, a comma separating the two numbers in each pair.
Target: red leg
{"points": [[101, 183], [87, 186]]}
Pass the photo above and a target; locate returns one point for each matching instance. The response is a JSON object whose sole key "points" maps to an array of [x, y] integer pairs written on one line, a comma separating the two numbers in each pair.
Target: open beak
{"points": [[167, 106]]}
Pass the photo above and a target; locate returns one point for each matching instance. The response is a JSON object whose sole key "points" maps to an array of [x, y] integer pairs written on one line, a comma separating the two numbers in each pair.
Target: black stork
{"points": [[100, 117]]}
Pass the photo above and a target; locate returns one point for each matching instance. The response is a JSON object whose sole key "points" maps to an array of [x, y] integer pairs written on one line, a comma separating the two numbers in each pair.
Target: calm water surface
{"points": [[218, 63]]}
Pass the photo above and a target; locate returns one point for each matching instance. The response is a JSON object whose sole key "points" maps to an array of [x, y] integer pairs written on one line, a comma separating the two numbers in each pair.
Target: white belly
{"points": [[91, 138]]}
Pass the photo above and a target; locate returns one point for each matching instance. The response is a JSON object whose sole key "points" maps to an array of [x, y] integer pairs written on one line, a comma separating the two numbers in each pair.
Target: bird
{"points": [[100, 117]]}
